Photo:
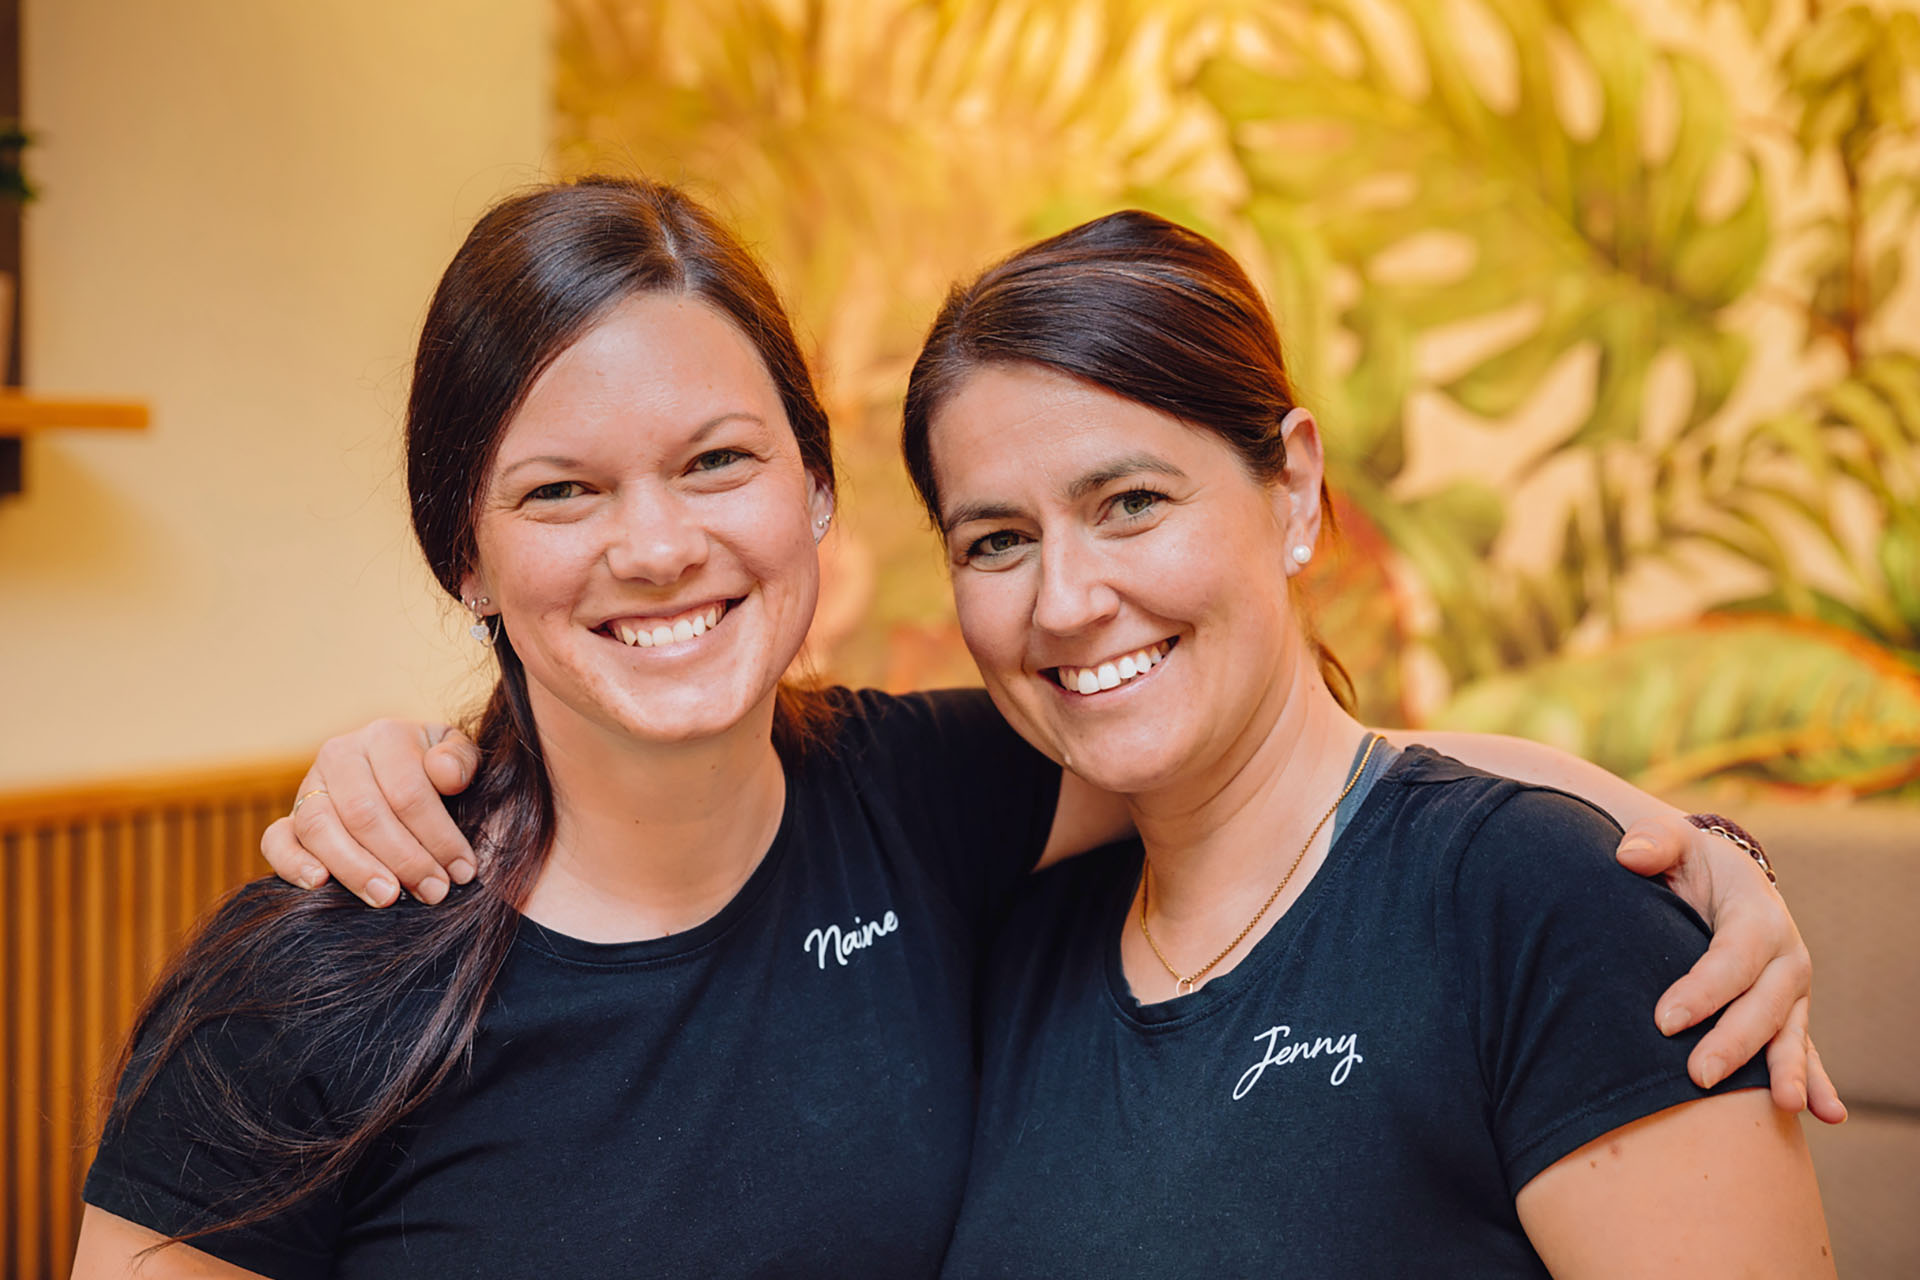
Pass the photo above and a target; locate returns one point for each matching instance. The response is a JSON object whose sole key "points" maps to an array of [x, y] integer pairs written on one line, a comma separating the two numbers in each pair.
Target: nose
{"points": [[655, 539], [1074, 592]]}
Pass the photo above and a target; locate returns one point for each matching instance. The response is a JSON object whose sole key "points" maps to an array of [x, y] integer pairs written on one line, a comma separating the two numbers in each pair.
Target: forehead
{"points": [[1024, 432], [654, 370]]}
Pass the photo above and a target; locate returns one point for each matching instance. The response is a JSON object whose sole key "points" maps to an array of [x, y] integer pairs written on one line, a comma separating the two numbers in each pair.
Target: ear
{"points": [[1299, 490], [819, 505], [474, 587]]}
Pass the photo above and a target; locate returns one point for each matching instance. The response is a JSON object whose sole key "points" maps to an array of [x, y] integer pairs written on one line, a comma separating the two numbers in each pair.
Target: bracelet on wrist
{"points": [[1728, 829]]}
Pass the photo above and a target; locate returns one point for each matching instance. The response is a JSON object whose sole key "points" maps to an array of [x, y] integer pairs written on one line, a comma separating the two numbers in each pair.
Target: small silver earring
{"points": [[820, 527], [481, 630], [1302, 553]]}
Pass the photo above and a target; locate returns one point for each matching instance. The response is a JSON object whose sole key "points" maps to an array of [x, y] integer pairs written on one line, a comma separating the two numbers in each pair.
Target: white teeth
{"points": [[678, 632], [1109, 675]]}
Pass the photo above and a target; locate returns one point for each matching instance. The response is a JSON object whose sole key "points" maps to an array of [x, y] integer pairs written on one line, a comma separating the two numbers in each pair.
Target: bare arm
{"points": [[112, 1248], [1088, 818], [1717, 1187], [1757, 965], [1085, 818], [372, 817], [1543, 765]]}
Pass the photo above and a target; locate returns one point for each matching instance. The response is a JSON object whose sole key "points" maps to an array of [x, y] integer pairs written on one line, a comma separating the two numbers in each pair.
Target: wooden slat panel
{"points": [[63, 1083], [99, 884], [27, 1094], [11, 1010], [95, 977]]}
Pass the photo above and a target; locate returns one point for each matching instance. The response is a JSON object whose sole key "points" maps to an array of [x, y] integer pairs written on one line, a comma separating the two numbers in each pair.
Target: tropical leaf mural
{"points": [[1607, 307]]}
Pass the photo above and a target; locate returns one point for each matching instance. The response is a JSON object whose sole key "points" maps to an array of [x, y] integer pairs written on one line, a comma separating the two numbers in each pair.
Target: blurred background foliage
{"points": [[1609, 309]]}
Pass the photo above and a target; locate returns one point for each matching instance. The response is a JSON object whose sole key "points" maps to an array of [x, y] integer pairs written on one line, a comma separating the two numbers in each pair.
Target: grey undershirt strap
{"points": [[1382, 759]]}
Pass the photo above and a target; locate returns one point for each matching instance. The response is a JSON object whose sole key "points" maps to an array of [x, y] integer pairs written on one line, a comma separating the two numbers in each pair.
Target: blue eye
{"points": [[997, 543], [1138, 502], [554, 491], [715, 459]]}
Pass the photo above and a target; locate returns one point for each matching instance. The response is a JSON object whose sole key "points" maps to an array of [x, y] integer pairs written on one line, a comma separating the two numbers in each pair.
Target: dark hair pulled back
{"points": [[1138, 306], [534, 275]]}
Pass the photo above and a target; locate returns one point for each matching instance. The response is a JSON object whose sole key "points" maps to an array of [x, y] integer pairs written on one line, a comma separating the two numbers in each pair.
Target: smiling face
{"points": [[647, 531], [1120, 577]]}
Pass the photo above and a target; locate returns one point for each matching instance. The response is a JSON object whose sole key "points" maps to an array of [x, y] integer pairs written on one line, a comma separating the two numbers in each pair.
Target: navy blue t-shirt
{"points": [[784, 1090], [1462, 995]]}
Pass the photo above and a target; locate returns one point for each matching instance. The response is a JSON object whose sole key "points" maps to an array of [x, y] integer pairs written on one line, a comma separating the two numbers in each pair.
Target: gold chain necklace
{"points": [[1186, 985]]}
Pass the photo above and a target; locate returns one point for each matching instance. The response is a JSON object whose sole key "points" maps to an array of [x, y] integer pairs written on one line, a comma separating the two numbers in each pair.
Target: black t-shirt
{"points": [[1461, 996], [786, 1089]]}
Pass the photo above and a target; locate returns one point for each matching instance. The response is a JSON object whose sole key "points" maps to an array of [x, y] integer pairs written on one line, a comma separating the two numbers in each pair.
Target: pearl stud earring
{"points": [[1302, 553]]}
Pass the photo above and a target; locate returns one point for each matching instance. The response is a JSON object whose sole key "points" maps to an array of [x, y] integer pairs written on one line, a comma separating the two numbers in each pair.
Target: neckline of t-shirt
{"points": [[675, 946], [1167, 1015]]}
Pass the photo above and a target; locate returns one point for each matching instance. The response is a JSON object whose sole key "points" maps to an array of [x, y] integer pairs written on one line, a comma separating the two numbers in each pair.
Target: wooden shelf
{"points": [[23, 412], [20, 413]]}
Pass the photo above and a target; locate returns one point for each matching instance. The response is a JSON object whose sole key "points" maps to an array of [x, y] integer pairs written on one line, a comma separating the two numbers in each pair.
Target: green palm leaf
{"points": [[1795, 703]]}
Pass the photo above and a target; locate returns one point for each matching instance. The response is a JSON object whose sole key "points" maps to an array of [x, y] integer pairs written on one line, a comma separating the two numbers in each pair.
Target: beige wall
{"points": [[246, 203]]}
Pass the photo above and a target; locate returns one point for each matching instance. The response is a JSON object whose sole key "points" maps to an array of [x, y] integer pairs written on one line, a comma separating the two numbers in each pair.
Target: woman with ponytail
{"points": [[707, 1011], [707, 1007]]}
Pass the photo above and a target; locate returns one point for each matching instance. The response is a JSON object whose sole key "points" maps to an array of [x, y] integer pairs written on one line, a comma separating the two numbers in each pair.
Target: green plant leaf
{"points": [[1832, 46], [1796, 703], [1899, 557], [1758, 15]]}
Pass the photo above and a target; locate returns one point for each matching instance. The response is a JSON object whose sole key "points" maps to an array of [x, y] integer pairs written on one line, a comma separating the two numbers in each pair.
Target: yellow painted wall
{"points": [[246, 203]]}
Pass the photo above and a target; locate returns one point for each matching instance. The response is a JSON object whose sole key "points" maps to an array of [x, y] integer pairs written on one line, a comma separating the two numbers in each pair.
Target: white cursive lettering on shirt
{"points": [[1279, 1055], [841, 943]]}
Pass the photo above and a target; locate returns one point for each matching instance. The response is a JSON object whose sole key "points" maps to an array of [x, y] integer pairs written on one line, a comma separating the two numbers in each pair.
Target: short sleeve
{"points": [[208, 1137], [976, 800], [167, 1165], [1563, 956]]}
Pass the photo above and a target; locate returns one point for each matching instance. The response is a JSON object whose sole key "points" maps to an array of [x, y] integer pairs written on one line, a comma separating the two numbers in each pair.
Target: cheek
{"points": [[535, 569], [779, 553], [992, 612]]}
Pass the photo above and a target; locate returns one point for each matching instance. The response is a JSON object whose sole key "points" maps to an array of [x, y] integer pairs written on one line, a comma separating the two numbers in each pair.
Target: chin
{"points": [[1121, 767], [693, 719]]}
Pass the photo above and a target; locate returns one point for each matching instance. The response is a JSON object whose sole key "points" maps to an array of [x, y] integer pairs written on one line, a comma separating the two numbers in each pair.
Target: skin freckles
{"points": [[1081, 526], [651, 477]]}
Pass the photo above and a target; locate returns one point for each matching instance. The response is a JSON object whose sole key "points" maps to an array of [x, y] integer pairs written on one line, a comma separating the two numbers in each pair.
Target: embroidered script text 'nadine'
{"points": [[840, 943]]}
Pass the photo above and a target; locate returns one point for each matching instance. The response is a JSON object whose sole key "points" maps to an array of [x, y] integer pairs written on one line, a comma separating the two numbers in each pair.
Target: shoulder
{"points": [[268, 934], [867, 715], [293, 983], [927, 735], [1468, 819]]}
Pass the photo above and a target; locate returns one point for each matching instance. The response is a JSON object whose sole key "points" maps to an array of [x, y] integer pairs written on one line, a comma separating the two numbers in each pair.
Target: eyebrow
{"points": [[700, 434], [1132, 464], [1092, 482]]}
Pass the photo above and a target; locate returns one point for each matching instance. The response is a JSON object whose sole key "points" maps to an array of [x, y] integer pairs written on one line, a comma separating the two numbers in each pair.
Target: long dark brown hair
{"points": [[1139, 306], [535, 273]]}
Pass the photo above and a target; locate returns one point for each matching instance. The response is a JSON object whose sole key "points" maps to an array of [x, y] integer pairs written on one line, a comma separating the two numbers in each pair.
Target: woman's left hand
{"points": [[1756, 961]]}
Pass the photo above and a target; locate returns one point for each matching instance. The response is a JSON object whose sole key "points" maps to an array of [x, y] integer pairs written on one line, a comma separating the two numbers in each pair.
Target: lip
{"points": [[1052, 675], [682, 626]]}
